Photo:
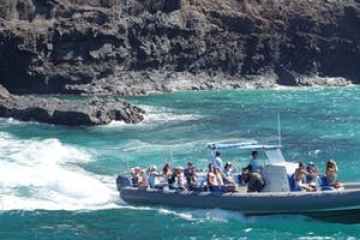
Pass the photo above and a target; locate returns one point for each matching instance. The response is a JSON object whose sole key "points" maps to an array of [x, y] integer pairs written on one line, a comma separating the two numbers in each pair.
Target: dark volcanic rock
{"points": [[286, 77], [120, 46], [4, 93], [67, 112]]}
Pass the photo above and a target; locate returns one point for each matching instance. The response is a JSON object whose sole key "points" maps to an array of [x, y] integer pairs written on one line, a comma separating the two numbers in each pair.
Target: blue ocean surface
{"points": [[59, 182]]}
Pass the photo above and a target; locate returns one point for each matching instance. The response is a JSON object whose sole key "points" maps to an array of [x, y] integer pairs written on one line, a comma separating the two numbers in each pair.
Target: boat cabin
{"points": [[275, 169]]}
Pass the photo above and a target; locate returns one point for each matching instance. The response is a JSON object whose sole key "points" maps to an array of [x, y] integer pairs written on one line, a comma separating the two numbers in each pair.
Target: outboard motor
{"points": [[122, 182]]}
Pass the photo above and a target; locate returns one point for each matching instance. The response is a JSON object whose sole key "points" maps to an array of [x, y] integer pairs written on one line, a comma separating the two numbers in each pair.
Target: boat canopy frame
{"points": [[273, 152], [253, 145]]}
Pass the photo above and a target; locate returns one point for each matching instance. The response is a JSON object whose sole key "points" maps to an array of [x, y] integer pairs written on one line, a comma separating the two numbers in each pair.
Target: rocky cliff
{"points": [[128, 47]]}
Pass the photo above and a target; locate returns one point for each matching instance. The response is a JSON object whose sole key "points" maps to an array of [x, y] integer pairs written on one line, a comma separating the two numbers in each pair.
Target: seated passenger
{"points": [[299, 179], [331, 175], [142, 179], [312, 176], [190, 175], [219, 177], [228, 174], [167, 173], [253, 179], [180, 180], [135, 173], [213, 178], [153, 175]]}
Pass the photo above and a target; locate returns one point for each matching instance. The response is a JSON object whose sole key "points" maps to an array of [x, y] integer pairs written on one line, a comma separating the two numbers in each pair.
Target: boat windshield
{"points": [[275, 156]]}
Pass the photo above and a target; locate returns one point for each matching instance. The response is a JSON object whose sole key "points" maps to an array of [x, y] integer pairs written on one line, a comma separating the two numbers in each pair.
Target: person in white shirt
{"points": [[228, 174], [180, 180], [153, 176], [214, 179], [217, 162]]}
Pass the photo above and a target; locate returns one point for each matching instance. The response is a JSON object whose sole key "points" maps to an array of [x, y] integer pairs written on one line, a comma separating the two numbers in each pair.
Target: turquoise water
{"points": [[58, 182]]}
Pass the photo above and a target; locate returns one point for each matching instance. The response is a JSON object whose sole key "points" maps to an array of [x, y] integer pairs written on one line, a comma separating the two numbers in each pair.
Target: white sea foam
{"points": [[157, 115], [204, 215], [247, 230], [199, 216], [316, 238], [217, 215], [183, 215], [12, 121], [45, 174], [170, 116]]}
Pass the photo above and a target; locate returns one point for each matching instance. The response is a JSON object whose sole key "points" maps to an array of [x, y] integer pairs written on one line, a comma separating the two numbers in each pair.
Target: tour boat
{"points": [[276, 197]]}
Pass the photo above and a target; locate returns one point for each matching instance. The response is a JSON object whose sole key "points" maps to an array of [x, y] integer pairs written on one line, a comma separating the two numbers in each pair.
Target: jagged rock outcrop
{"points": [[286, 77], [4, 93], [67, 112], [129, 47]]}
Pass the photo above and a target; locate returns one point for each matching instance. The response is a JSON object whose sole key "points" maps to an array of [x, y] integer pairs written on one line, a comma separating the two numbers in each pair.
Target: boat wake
{"points": [[192, 215], [46, 174], [212, 215]]}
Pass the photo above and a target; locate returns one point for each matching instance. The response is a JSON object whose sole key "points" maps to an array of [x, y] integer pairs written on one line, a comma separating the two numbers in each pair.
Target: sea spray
{"points": [[156, 116], [46, 174]]}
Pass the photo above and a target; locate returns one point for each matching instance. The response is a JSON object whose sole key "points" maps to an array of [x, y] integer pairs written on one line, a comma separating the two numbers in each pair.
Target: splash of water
{"points": [[155, 116], [46, 174]]}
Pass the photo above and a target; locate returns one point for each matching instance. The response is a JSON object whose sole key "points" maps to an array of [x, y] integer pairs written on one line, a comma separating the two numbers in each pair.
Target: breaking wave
{"points": [[162, 114], [158, 115], [46, 174]]}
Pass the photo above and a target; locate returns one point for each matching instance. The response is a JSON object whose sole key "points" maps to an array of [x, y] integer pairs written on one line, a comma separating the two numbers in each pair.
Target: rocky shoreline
{"points": [[91, 112], [157, 83], [98, 111]]}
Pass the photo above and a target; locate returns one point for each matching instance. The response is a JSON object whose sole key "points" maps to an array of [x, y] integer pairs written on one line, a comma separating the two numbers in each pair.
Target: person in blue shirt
{"points": [[255, 162]]}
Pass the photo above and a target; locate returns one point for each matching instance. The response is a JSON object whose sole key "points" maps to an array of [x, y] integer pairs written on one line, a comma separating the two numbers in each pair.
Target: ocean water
{"points": [[58, 182]]}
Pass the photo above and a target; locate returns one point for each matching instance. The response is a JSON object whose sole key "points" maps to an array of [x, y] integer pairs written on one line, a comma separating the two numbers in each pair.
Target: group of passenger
{"points": [[174, 178], [308, 178], [178, 178], [138, 177], [222, 178], [219, 177]]}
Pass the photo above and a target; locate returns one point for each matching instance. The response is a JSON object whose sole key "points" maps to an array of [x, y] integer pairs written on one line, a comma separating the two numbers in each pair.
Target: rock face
{"points": [[129, 47], [286, 77], [67, 112]]}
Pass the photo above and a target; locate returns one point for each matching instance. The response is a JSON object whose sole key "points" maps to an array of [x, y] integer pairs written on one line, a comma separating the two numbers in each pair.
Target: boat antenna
{"points": [[279, 129], [127, 164], [171, 157]]}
